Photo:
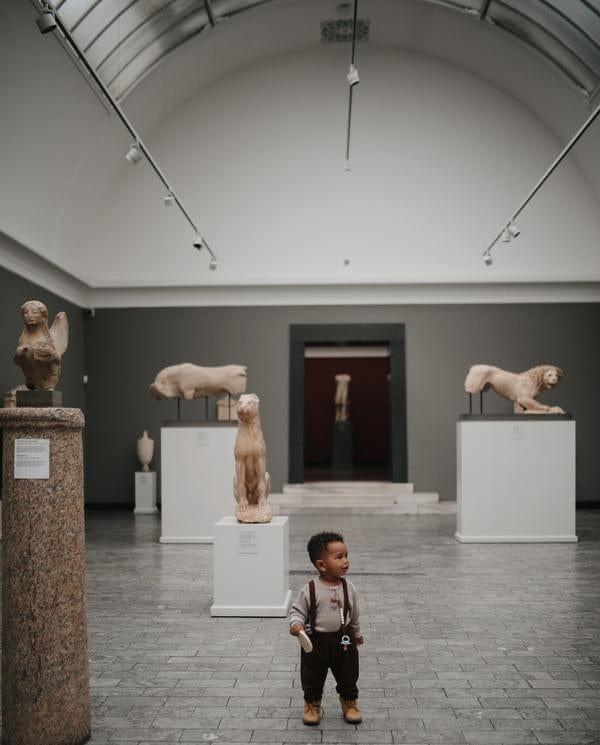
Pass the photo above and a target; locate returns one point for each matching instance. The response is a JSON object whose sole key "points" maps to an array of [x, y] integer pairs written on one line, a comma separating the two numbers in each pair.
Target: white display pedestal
{"points": [[516, 479], [145, 493], [197, 471], [251, 568]]}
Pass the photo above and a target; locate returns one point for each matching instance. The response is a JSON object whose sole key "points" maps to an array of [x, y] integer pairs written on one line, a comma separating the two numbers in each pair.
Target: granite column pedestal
{"points": [[45, 677]]}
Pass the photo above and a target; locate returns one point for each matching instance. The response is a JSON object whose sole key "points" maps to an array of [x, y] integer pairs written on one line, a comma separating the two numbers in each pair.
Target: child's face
{"points": [[334, 562]]}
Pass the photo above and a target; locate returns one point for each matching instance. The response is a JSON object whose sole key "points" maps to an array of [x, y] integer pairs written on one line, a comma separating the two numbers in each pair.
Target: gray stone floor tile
{"points": [[465, 644], [207, 736]]}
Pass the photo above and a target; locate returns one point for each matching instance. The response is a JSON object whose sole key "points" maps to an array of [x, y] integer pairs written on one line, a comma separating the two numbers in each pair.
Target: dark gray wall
{"points": [[14, 291], [126, 348]]}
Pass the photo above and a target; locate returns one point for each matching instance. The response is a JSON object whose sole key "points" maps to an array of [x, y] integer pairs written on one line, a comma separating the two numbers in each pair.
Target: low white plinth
{"points": [[251, 568], [197, 471], [516, 480], [145, 493]]}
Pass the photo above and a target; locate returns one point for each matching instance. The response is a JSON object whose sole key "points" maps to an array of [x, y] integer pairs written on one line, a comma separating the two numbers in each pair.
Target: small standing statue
{"points": [[342, 397], [252, 484], [41, 348]]}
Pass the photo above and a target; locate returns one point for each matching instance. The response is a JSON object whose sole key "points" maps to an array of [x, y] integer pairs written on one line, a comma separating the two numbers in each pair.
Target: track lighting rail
{"points": [[46, 9]]}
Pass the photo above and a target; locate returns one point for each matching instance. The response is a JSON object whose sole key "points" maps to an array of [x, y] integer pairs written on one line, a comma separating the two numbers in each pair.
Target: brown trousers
{"points": [[328, 654]]}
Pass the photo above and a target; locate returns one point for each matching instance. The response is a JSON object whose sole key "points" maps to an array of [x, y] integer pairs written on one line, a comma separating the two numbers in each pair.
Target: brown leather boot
{"points": [[351, 711], [312, 713]]}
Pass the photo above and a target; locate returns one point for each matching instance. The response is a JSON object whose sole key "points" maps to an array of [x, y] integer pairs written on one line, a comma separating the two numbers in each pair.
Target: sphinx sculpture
{"points": [[190, 381], [342, 397], [520, 388], [40, 348], [252, 485]]}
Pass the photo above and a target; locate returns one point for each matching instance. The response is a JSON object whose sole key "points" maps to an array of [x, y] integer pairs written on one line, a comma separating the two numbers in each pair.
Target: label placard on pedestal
{"points": [[247, 543], [32, 458]]}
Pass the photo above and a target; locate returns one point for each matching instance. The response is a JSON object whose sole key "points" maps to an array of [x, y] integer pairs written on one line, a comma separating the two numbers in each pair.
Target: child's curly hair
{"points": [[318, 543]]}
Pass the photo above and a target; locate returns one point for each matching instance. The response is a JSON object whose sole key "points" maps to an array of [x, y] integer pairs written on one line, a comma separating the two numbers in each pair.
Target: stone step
{"points": [[353, 500], [431, 508], [348, 487]]}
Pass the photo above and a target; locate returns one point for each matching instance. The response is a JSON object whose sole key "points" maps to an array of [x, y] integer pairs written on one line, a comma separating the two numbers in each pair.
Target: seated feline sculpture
{"points": [[252, 483], [521, 388], [40, 348]]}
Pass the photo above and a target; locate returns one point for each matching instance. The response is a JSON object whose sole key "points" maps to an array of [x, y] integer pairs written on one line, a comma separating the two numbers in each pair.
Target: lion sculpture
{"points": [[252, 484], [520, 388], [40, 348], [190, 381]]}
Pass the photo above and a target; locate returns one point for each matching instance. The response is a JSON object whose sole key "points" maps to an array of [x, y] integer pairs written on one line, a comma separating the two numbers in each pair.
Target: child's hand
{"points": [[360, 640], [296, 628]]}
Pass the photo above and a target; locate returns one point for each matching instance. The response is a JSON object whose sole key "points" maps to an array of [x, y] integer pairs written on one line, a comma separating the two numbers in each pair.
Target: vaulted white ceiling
{"points": [[458, 113]]}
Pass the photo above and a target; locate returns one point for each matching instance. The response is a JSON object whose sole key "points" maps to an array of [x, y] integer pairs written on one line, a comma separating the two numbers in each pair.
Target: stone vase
{"points": [[145, 450]]}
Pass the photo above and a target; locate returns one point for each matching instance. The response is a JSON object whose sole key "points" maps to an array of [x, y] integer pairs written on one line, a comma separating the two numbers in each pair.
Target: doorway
{"points": [[374, 357], [366, 415]]}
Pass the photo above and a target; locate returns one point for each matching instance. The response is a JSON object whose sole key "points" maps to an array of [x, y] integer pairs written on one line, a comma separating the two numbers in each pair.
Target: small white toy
{"points": [[305, 642]]}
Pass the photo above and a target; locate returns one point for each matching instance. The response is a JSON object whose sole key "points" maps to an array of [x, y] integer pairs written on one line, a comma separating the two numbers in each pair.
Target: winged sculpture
{"points": [[40, 348]]}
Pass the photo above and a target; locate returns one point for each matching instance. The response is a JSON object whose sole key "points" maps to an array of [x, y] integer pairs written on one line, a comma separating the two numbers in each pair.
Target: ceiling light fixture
{"points": [[134, 154], [46, 21], [352, 76], [511, 229], [169, 200], [137, 148]]}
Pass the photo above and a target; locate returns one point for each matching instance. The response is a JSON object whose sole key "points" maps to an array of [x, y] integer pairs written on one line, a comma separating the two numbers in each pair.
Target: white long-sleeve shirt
{"points": [[328, 601]]}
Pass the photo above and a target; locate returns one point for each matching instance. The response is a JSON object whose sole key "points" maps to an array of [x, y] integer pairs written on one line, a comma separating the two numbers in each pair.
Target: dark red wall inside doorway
{"points": [[369, 408]]}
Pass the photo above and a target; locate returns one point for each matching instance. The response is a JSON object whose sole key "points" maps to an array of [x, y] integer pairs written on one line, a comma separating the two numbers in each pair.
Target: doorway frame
{"points": [[346, 334]]}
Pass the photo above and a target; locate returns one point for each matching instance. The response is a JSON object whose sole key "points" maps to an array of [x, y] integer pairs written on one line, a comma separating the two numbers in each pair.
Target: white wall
{"points": [[440, 159]]}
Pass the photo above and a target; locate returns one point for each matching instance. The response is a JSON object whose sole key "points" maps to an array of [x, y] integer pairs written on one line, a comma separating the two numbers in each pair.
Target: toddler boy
{"points": [[327, 609]]}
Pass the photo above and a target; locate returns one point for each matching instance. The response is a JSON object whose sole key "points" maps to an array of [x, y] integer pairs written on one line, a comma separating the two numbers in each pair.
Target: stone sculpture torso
{"points": [[40, 348], [342, 397], [252, 482]]}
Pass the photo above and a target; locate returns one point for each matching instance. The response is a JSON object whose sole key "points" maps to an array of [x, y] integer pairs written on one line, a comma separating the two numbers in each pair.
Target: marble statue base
{"points": [[341, 447], [516, 479], [197, 471], [39, 399], [45, 677], [251, 568], [145, 493]]}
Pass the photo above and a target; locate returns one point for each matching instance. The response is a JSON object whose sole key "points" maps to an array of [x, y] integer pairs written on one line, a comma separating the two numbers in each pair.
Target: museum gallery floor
{"points": [[468, 644]]}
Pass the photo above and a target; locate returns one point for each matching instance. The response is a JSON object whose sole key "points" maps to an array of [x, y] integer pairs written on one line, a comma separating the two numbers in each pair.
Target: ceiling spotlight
{"points": [[212, 264], [487, 259], [352, 76], [198, 242], [505, 236], [347, 166], [134, 154], [169, 200], [46, 21], [513, 229]]}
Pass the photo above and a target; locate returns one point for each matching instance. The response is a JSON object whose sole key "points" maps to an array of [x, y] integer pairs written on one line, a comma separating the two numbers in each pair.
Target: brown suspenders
{"points": [[312, 611]]}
